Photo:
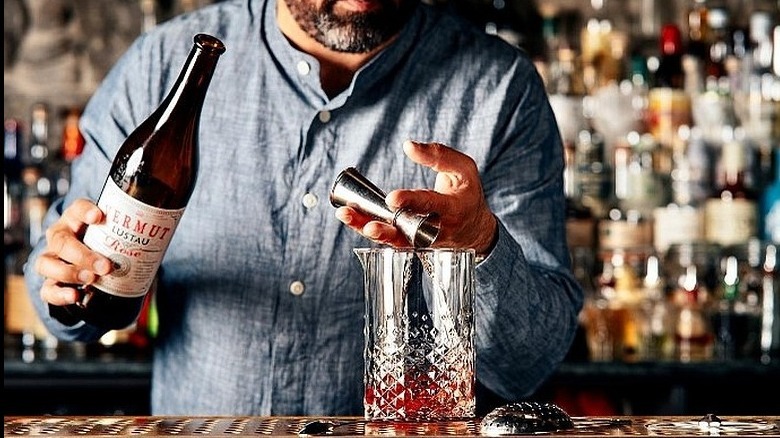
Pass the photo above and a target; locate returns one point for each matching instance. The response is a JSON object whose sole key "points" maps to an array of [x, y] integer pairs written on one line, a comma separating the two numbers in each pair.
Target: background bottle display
{"points": [[597, 56], [154, 172]]}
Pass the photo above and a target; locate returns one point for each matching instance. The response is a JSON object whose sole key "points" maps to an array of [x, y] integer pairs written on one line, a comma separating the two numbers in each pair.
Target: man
{"points": [[260, 298]]}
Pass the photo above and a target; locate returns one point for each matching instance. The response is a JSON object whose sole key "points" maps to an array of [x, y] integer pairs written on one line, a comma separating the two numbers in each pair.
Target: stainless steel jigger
{"points": [[352, 189]]}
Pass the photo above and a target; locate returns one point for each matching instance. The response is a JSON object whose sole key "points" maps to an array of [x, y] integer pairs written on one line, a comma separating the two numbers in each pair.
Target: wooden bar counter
{"points": [[218, 426]]}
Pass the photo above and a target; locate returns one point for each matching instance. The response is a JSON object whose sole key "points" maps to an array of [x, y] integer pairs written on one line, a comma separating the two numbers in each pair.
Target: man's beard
{"points": [[351, 32]]}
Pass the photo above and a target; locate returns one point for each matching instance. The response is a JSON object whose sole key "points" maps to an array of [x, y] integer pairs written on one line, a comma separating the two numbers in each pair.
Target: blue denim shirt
{"points": [[233, 338]]}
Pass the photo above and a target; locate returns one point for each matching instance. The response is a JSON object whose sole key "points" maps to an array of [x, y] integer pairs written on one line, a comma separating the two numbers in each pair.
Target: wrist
{"points": [[484, 250]]}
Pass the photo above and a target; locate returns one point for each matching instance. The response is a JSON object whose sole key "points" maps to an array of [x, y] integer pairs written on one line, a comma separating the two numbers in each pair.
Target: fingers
{"points": [[63, 240], [371, 228], [418, 200], [53, 267], [81, 212], [457, 175], [440, 158], [57, 294], [66, 261]]}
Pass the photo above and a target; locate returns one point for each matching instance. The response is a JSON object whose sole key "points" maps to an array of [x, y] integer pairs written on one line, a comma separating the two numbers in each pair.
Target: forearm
{"points": [[526, 317]]}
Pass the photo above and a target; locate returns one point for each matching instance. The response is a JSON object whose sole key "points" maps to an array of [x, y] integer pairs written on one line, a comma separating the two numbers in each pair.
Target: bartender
{"points": [[260, 298]]}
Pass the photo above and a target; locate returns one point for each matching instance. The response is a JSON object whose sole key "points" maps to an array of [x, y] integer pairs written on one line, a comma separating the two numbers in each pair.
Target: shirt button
{"points": [[324, 116], [297, 288], [309, 200], [303, 68]]}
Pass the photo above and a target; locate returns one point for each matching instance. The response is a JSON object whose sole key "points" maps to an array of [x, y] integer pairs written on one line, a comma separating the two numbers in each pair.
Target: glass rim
{"points": [[409, 250]]}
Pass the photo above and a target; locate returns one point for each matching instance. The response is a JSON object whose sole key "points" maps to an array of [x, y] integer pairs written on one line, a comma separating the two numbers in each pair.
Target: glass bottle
{"points": [[644, 187], [154, 171], [737, 320], [699, 33], [625, 312], [670, 72], [719, 20], [626, 227], [770, 307], [12, 186], [682, 220], [669, 106], [656, 332], [725, 324], [38, 151], [70, 148], [770, 206], [731, 213], [691, 272], [594, 171], [580, 222], [596, 314]]}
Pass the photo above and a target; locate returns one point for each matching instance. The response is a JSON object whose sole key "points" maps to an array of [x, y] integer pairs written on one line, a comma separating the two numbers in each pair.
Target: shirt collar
{"points": [[292, 61]]}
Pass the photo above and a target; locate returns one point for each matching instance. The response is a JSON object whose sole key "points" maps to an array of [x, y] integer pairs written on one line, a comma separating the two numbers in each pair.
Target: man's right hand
{"points": [[66, 261]]}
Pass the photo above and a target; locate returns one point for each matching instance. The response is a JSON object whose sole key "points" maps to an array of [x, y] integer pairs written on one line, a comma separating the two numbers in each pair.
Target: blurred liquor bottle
{"points": [[713, 104], [724, 321], [691, 274], [566, 91], [639, 185], [656, 340], [770, 306], [596, 317], [71, 147], [756, 95], [736, 320], [699, 33], [681, 221], [603, 46], [720, 48], [628, 224], [731, 212], [13, 139], [594, 173], [770, 205], [35, 175], [580, 222], [669, 106], [625, 308]]}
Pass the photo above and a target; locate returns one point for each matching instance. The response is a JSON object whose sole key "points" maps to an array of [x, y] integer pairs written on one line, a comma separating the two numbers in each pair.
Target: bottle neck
{"points": [[189, 90], [730, 279]]}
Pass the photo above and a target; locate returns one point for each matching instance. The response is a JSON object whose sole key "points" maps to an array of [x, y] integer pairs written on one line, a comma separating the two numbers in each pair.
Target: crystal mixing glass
{"points": [[419, 346]]}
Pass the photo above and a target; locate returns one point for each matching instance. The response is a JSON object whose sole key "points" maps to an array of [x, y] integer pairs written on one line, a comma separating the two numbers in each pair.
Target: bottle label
{"points": [[623, 234], [730, 222], [134, 236], [675, 225]]}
